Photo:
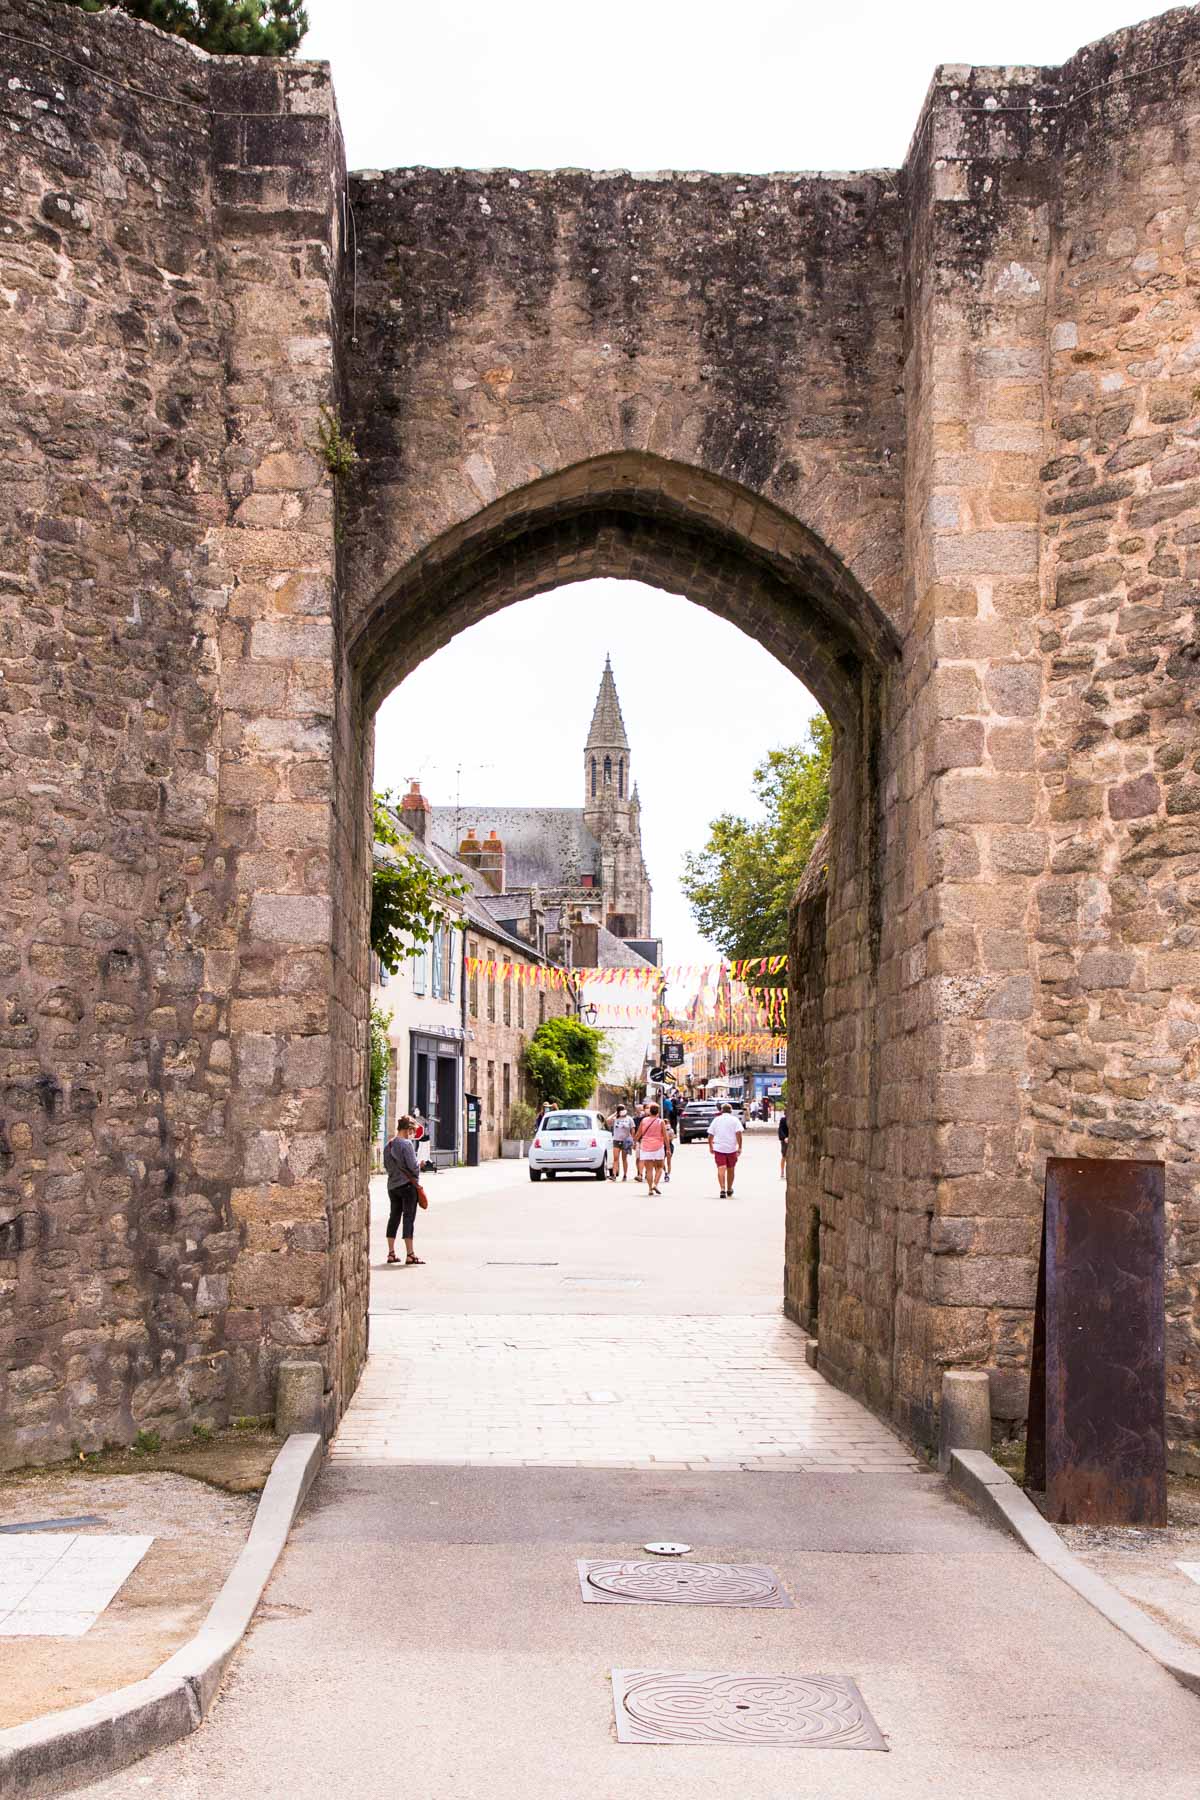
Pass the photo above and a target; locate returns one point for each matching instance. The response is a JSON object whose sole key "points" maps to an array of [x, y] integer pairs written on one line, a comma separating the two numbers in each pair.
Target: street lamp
{"points": [[590, 1013]]}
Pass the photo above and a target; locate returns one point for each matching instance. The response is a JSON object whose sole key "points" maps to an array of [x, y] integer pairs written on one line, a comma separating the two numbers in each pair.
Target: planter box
{"points": [[513, 1147]]}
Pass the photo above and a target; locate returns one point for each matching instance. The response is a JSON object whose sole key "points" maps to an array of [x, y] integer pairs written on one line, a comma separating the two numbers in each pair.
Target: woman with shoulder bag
{"points": [[405, 1193]]}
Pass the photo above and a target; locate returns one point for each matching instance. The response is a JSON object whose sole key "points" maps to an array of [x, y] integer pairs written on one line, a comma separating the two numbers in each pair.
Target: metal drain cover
{"points": [[803, 1712], [691, 1584], [667, 1549]]}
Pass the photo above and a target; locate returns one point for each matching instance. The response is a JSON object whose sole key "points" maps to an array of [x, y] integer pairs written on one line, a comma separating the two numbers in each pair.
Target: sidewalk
{"points": [[1144, 1564], [107, 1575]]}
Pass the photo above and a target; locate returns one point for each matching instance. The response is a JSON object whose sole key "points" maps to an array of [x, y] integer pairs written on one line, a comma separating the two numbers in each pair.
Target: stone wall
{"points": [[1115, 841], [165, 719], [929, 435]]}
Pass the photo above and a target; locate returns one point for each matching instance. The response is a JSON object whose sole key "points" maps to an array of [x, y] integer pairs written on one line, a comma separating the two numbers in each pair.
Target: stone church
{"points": [[578, 866]]}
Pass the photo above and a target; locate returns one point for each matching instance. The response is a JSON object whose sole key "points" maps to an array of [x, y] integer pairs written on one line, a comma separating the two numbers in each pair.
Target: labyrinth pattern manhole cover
{"points": [[803, 1712], [681, 1584]]}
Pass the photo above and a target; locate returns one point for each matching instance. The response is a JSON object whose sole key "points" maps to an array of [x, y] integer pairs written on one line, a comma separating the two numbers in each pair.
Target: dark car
{"points": [[698, 1115]]}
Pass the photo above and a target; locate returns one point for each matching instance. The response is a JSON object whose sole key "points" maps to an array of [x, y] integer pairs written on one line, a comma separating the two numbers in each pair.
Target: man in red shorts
{"points": [[725, 1143]]}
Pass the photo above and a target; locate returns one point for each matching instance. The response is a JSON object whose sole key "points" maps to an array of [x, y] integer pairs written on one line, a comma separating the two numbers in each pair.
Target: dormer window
{"points": [[608, 771]]}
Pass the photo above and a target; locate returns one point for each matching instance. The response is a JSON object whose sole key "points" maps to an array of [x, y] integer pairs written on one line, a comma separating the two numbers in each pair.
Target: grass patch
{"points": [[237, 1461]]}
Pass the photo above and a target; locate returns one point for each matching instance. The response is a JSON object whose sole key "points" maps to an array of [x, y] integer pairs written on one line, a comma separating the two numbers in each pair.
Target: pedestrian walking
{"points": [[404, 1189], [622, 1135], [725, 1143], [637, 1142], [783, 1138], [669, 1147], [652, 1147]]}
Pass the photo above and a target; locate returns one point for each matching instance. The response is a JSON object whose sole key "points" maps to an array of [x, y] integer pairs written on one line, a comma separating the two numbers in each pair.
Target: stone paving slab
{"points": [[721, 1392], [56, 1583]]}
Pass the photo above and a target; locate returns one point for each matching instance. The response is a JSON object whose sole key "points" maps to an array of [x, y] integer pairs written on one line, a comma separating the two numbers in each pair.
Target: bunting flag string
{"points": [[525, 974], [706, 975], [744, 1041]]}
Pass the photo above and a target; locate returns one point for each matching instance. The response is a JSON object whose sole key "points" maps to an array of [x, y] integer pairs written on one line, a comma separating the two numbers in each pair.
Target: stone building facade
{"points": [[501, 1014], [582, 861], [928, 434]]}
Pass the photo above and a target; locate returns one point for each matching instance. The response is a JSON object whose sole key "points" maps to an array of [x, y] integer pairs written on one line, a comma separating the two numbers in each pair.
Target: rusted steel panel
{"points": [[1097, 1396]]}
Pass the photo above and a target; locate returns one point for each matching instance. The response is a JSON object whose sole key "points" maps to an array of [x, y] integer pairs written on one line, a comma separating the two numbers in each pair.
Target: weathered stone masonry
{"points": [[929, 434]]}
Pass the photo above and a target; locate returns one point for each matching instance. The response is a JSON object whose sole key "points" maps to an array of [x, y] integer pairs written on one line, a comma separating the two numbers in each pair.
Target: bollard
{"points": [[966, 1416], [299, 1397]]}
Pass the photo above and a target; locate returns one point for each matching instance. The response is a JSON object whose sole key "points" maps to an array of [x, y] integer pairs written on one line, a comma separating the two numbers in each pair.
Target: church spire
{"points": [[608, 727]]}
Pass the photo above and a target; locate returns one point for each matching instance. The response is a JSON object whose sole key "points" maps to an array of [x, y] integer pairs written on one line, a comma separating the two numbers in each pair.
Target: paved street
{"points": [[425, 1632], [615, 1376]]}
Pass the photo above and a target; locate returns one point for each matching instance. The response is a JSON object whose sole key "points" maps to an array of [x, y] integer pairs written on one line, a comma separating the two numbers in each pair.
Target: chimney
{"points": [[415, 810], [491, 862], [585, 944], [470, 850]]}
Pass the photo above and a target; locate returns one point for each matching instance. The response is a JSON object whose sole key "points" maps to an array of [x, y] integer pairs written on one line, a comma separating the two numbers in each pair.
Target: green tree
{"points": [[741, 884], [380, 1067], [564, 1059], [226, 27], [409, 896]]}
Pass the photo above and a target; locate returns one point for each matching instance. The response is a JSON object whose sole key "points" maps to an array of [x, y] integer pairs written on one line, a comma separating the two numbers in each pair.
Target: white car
{"points": [[575, 1142]]}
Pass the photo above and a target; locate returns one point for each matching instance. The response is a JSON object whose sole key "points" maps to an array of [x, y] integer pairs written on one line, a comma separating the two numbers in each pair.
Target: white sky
{"points": [[640, 84], [657, 84], [513, 698]]}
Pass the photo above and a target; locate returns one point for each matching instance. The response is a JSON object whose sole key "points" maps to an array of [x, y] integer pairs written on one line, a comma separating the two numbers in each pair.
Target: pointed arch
{"points": [[635, 516]]}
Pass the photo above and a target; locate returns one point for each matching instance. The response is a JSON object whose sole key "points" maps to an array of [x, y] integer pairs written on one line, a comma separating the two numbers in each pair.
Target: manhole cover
{"points": [[811, 1712], [691, 1584], [667, 1549]]}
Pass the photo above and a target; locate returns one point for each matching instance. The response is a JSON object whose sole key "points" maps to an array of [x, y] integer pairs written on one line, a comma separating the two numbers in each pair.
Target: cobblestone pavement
{"points": [[724, 1392]]}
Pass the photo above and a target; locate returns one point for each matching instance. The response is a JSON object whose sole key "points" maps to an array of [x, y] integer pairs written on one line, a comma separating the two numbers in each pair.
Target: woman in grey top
{"points": [[622, 1136], [403, 1179]]}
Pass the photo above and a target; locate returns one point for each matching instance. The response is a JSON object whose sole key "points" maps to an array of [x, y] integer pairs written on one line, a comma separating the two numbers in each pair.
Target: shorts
{"points": [[403, 1206], [726, 1159], [654, 1156]]}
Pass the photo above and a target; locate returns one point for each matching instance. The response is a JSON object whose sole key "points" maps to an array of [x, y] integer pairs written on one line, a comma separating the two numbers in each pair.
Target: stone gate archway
{"points": [[682, 529], [950, 407]]}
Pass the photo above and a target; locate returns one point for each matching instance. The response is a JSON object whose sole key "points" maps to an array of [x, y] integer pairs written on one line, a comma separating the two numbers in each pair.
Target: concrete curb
{"points": [[974, 1475], [64, 1750]]}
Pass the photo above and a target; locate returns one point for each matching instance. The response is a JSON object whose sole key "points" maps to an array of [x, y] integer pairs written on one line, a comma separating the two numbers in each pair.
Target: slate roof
{"points": [[473, 905], [546, 846], [614, 953]]}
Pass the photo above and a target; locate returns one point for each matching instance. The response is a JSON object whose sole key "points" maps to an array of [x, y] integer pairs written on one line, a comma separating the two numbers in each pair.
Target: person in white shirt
{"points": [[725, 1145]]}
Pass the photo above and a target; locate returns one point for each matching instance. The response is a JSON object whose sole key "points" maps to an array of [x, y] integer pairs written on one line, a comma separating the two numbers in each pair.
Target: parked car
{"points": [[575, 1143], [698, 1115]]}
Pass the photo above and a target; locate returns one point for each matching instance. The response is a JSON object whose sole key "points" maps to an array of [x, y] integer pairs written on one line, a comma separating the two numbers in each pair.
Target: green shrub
{"points": [[563, 1060], [147, 1443], [521, 1120]]}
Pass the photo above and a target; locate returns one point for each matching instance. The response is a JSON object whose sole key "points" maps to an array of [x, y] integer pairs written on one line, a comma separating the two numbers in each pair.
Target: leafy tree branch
{"points": [[409, 895], [741, 884], [224, 27]]}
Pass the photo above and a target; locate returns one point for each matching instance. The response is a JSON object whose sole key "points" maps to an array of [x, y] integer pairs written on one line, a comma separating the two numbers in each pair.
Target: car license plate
{"points": [[567, 1144]]}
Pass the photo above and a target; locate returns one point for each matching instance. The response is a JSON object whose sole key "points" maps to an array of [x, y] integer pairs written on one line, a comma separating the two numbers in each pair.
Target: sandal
{"points": [[392, 1257], [409, 1260]]}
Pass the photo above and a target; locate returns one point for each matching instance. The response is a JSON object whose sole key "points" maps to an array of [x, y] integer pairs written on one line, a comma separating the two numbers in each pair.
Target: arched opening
{"points": [[691, 534]]}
